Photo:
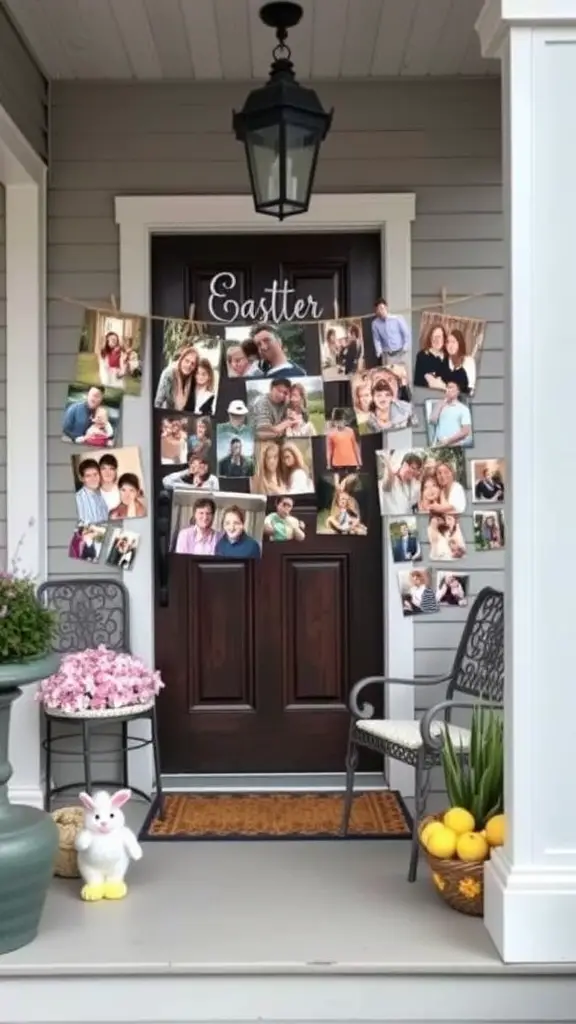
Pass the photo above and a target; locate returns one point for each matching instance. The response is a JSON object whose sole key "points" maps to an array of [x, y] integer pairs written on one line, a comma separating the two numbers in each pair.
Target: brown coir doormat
{"points": [[190, 816]]}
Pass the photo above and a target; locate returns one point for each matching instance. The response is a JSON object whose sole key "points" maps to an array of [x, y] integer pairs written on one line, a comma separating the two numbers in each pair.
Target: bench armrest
{"points": [[436, 741], [367, 710]]}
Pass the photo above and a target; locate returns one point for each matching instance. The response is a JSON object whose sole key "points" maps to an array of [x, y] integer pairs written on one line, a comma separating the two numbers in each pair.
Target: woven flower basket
{"points": [[69, 821], [123, 711], [460, 884]]}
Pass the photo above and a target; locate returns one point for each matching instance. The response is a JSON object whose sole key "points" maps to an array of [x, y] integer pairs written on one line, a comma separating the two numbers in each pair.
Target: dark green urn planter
{"points": [[28, 837]]}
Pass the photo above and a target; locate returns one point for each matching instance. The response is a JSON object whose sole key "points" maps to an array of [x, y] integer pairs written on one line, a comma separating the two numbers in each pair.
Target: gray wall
{"points": [[23, 88], [2, 380], [440, 140]]}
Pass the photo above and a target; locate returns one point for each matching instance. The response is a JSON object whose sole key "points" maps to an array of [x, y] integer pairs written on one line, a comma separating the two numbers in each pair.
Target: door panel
{"points": [[259, 657]]}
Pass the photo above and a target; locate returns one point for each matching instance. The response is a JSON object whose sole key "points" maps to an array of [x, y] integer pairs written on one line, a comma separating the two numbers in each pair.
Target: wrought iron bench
{"points": [[477, 673], [93, 612]]}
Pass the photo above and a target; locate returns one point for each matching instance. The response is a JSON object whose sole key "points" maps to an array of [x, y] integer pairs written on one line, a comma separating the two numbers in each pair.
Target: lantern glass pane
{"points": [[263, 152], [301, 150]]}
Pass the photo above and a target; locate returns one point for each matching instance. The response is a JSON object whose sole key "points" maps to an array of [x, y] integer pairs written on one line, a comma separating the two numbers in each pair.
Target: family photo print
{"points": [[109, 486], [343, 504], [111, 351], [488, 480], [191, 375], [92, 415], [283, 467], [449, 349], [286, 408], [382, 400], [341, 349], [218, 525], [431, 480]]}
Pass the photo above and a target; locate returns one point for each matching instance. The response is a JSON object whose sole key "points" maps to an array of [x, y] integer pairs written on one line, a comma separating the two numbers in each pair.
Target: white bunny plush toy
{"points": [[105, 846]]}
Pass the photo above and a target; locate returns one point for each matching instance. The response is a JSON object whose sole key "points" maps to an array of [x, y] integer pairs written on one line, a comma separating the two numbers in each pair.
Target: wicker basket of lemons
{"points": [[458, 842]]}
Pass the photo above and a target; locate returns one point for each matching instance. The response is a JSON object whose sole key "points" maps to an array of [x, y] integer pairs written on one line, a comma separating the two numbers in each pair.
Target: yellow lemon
{"points": [[472, 847], [495, 829], [442, 842], [459, 820], [427, 831]]}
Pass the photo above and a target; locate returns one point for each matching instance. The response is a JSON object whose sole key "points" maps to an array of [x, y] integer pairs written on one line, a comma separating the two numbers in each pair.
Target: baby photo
{"points": [[86, 542], [190, 378], [217, 525], [341, 348], [421, 480], [343, 504], [109, 486], [489, 531], [281, 523], [404, 541], [122, 550], [241, 357], [381, 401], [417, 593], [449, 420], [92, 415], [445, 538], [280, 407], [283, 467], [449, 352], [111, 351], [488, 477], [452, 589], [342, 445], [235, 452]]}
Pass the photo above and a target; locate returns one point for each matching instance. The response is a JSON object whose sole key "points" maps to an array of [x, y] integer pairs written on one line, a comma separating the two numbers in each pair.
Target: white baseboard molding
{"points": [[289, 782], [32, 796]]}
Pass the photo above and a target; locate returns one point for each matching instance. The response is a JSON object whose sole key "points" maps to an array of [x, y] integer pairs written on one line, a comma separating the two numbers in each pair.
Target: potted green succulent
{"points": [[28, 837]]}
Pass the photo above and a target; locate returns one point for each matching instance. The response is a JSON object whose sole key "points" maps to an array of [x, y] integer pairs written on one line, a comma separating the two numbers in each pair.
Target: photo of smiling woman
{"points": [[386, 410], [450, 349], [283, 467], [343, 504], [189, 381], [109, 487]]}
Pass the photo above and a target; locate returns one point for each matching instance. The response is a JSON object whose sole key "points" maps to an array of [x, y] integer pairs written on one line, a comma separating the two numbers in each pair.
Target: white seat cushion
{"points": [[408, 735]]}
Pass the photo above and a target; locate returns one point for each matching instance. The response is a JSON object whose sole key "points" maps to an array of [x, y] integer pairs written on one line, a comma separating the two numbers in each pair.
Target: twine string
{"points": [[114, 311]]}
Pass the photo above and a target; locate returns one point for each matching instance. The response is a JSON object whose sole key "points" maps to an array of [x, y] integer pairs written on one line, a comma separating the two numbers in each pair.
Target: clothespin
{"points": [[191, 311], [113, 303], [336, 309], [444, 299]]}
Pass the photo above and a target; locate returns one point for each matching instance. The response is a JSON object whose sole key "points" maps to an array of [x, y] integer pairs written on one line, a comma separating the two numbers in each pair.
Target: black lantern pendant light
{"points": [[282, 126]]}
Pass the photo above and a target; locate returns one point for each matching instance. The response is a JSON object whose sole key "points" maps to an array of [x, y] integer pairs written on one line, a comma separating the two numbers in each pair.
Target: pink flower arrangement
{"points": [[97, 679]]}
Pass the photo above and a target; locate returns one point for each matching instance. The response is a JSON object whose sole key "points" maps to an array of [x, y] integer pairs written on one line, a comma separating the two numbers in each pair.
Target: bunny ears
{"points": [[118, 799]]}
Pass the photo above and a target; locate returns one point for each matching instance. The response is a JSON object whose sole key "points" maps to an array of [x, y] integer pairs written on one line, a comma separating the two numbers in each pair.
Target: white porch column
{"points": [[530, 901]]}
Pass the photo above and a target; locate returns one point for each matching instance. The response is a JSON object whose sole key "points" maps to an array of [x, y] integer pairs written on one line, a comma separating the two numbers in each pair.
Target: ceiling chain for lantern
{"points": [[282, 126]]}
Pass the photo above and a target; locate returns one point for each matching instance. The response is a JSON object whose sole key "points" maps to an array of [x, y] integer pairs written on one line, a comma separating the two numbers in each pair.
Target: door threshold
{"points": [[287, 782]]}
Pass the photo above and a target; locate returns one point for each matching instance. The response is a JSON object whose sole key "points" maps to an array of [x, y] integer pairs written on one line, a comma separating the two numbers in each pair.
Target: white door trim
{"points": [[140, 217], [23, 175]]}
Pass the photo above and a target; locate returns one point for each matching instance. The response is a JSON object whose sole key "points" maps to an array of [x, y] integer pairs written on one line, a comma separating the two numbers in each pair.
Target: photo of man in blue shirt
{"points": [[390, 334]]}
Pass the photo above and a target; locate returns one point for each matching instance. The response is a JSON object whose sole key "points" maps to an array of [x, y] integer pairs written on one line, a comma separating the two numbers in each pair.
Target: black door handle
{"points": [[163, 538]]}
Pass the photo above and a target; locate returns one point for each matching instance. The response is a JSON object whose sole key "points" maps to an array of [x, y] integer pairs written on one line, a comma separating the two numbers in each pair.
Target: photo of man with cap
{"points": [[235, 429]]}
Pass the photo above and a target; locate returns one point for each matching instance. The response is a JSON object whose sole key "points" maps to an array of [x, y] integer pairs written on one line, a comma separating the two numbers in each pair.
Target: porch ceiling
{"points": [[216, 40]]}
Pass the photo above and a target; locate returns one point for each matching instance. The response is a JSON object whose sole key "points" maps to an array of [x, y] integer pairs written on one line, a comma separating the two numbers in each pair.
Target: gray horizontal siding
{"points": [[23, 87], [2, 380], [439, 140]]}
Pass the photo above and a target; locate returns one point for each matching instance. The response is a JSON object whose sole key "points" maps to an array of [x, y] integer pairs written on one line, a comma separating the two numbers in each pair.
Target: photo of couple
{"points": [[286, 408], [343, 504], [222, 525], [86, 542], [122, 551], [404, 540], [417, 592], [343, 449], [489, 531], [382, 399], [182, 435], [449, 420], [92, 416], [190, 378], [429, 480], [283, 467], [265, 350], [488, 480], [341, 349], [449, 352], [109, 486], [281, 525], [111, 351]]}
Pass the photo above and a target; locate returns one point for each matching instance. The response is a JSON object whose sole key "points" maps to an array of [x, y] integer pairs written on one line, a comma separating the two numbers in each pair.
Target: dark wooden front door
{"points": [[259, 657]]}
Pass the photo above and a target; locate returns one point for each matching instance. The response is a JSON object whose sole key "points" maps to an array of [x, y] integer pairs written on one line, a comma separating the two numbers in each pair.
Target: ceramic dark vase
{"points": [[28, 837]]}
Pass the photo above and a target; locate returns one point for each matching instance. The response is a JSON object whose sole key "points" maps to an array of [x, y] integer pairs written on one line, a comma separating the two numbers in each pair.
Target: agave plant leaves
{"points": [[475, 778]]}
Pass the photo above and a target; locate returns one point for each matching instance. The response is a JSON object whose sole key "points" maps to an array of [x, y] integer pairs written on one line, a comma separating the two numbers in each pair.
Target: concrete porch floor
{"points": [[333, 927]]}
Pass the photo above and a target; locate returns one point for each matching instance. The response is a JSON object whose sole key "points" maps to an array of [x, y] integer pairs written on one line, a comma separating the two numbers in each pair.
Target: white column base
{"points": [[530, 912]]}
